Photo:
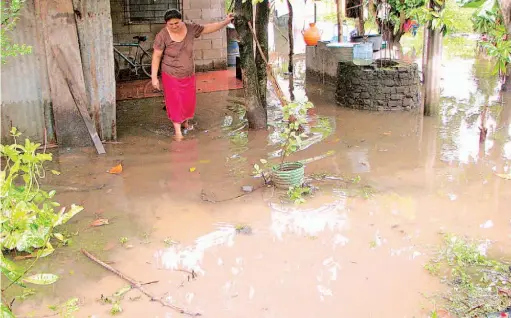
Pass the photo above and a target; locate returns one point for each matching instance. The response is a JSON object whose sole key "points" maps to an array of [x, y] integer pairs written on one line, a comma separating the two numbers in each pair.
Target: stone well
{"points": [[383, 85]]}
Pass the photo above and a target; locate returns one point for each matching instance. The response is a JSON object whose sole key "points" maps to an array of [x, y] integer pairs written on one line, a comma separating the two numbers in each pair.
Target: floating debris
{"points": [[243, 229]]}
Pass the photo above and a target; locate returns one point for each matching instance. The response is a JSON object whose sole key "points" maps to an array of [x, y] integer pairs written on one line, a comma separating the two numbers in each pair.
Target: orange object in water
{"points": [[312, 35], [116, 170]]}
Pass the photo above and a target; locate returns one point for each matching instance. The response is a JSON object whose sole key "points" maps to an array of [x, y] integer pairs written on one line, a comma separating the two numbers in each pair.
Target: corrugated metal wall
{"points": [[25, 86], [26, 100]]}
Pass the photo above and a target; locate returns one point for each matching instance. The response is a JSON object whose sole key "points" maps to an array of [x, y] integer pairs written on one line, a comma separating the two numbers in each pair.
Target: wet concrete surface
{"points": [[355, 249], [206, 82]]}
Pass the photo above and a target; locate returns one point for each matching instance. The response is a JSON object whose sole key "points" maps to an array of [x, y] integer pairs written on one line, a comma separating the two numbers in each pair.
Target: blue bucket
{"points": [[233, 51]]}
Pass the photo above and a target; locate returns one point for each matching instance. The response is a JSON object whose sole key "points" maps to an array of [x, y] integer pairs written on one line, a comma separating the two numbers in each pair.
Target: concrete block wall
{"points": [[370, 87], [321, 63], [210, 50]]}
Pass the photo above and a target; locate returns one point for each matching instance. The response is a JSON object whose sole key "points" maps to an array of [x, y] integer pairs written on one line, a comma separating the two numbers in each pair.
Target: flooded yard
{"points": [[388, 186]]}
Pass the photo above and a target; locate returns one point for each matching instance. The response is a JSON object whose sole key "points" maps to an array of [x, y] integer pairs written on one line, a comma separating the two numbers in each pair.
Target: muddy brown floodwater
{"points": [[390, 183]]}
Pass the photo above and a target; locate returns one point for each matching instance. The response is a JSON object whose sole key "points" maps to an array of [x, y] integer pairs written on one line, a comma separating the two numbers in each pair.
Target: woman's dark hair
{"points": [[173, 14]]}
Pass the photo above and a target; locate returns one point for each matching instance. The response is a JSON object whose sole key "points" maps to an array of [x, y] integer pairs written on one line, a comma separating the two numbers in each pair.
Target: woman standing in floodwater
{"points": [[174, 43]]}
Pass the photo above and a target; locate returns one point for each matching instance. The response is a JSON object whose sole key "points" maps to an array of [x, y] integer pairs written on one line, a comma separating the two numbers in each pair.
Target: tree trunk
{"points": [[505, 7], [291, 88], [371, 8], [339, 5], [261, 28], [360, 24], [290, 66], [432, 63], [431, 71], [256, 114], [396, 38]]}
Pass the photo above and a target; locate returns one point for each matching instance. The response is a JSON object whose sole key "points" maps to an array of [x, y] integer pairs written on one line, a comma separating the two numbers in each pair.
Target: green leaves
{"points": [[295, 118], [6, 312], [10, 13], [41, 279], [66, 309], [296, 194], [28, 214], [11, 271], [489, 21], [64, 217]]}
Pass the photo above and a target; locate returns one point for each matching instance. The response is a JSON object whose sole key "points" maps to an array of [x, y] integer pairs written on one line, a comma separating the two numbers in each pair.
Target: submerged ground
{"points": [[388, 185]]}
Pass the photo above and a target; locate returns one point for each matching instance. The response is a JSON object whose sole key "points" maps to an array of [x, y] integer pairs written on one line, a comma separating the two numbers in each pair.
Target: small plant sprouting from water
{"points": [[115, 300], [169, 242], [243, 229], [66, 309], [262, 170], [123, 240], [116, 309], [478, 285], [356, 180], [296, 194], [432, 267]]}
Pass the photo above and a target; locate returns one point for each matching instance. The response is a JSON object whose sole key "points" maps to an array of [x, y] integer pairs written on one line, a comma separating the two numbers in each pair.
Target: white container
{"points": [[363, 53]]}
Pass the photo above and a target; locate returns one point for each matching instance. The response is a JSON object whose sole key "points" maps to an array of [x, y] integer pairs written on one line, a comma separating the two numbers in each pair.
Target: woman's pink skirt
{"points": [[179, 96]]}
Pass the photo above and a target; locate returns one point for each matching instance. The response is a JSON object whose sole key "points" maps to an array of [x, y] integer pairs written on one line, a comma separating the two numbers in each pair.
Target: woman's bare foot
{"points": [[178, 135], [186, 125]]}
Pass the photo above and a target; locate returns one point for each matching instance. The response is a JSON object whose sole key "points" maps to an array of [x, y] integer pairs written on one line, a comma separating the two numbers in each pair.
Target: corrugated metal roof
{"points": [[25, 87]]}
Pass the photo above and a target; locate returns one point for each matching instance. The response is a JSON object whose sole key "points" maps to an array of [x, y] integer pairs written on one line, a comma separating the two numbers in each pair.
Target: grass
{"points": [[477, 284]]}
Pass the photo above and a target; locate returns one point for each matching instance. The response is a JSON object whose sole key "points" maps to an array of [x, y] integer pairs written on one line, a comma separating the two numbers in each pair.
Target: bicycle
{"points": [[141, 60]]}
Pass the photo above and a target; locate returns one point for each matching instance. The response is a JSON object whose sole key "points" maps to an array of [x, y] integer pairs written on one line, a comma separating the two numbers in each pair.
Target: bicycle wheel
{"points": [[145, 63]]}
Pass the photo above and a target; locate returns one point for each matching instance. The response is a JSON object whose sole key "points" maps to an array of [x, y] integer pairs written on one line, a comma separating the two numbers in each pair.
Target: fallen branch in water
{"points": [[137, 285], [204, 196], [63, 188]]}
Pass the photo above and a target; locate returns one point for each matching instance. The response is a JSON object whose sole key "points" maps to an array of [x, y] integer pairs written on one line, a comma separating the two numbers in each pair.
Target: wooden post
{"points": [[78, 96], [340, 7], [94, 24]]}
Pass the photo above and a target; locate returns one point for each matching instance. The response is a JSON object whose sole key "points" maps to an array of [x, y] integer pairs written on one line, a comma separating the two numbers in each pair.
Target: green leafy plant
{"points": [[116, 309], [444, 15], [28, 212], [29, 218], [495, 40], [291, 134], [262, 170], [297, 193], [10, 11], [399, 11], [295, 117]]}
